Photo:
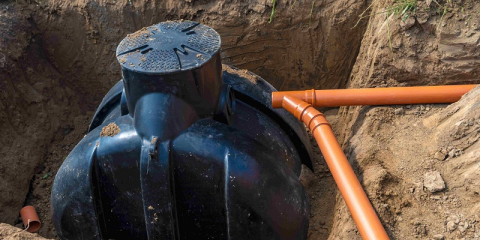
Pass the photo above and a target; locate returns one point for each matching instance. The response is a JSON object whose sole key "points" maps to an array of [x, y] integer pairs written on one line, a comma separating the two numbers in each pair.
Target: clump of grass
{"points": [[273, 11], [272, 14], [293, 4], [389, 38], [441, 10], [401, 8], [311, 13]]}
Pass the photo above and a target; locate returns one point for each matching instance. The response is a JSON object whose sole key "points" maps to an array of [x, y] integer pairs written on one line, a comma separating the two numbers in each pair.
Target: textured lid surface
{"points": [[168, 47]]}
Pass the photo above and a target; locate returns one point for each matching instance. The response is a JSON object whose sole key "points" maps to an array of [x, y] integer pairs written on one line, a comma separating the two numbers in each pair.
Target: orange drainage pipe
{"points": [[357, 201], [375, 96], [30, 219]]}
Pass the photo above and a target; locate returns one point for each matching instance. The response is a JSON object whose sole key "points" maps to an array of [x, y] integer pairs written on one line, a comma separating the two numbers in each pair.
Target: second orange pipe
{"points": [[362, 211], [376, 96]]}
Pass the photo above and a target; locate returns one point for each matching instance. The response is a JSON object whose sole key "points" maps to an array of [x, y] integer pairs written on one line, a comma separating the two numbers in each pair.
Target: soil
{"points": [[110, 130], [396, 149], [57, 61], [240, 72], [8, 232]]}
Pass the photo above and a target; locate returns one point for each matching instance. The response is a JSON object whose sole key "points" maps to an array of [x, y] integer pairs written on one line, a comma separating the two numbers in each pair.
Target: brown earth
{"points": [[8, 232], [395, 149], [57, 62], [110, 130]]}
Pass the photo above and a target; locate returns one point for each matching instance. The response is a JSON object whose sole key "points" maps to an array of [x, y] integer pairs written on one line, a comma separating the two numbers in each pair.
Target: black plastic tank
{"points": [[179, 149]]}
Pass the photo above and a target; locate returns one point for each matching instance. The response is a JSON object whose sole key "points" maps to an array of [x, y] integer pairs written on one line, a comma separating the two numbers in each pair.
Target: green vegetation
{"points": [[402, 8], [442, 10], [272, 14], [311, 12], [273, 11]]}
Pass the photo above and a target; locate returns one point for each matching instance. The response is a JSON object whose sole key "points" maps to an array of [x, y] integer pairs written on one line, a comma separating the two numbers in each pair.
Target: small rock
{"points": [[399, 111], [435, 197], [439, 156], [454, 219], [306, 176], [462, 227], [408, 23], [438, 237], [451, 226], [433, 181], [2, 60], [452, 153], [420, 230], [422, 18], [416, 222]]}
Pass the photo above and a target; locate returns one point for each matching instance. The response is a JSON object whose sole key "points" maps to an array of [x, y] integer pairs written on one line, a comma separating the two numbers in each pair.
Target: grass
{"points": [[443, 10], [401, 8], [272, 14], [311, 13]]}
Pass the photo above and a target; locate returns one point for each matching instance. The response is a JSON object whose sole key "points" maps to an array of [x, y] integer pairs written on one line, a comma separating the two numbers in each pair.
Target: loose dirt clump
{"points": [[241, 73], [8, 232], [110, 130]]}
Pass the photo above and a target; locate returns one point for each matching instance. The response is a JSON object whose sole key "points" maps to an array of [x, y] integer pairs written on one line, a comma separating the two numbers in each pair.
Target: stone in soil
{"points": [[433, 182]]}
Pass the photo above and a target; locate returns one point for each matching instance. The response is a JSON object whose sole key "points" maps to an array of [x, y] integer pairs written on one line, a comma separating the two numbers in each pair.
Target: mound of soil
{"points": [[8, 232]]}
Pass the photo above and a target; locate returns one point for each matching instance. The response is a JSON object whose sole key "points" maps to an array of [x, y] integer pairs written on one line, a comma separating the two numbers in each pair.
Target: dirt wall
{"points": [[417, 162]]}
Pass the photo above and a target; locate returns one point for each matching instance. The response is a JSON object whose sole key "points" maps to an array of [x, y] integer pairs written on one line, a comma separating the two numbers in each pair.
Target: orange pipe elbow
{"points": [[375, 96], [362, 211]]}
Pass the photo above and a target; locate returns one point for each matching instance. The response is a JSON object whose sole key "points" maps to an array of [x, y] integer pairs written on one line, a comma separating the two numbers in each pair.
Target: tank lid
{"points": [[168, 47]]}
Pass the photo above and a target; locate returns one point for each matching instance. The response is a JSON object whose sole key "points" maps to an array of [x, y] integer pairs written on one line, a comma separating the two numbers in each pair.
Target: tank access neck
{"points": [[179, 58]]}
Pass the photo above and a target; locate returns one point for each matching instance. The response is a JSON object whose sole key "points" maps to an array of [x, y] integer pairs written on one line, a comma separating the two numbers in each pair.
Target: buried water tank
{"points": [[179, 149]]}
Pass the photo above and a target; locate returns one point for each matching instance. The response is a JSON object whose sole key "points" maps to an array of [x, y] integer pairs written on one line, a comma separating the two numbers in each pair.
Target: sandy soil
{"points": [[417, 162], [8, 232]]}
